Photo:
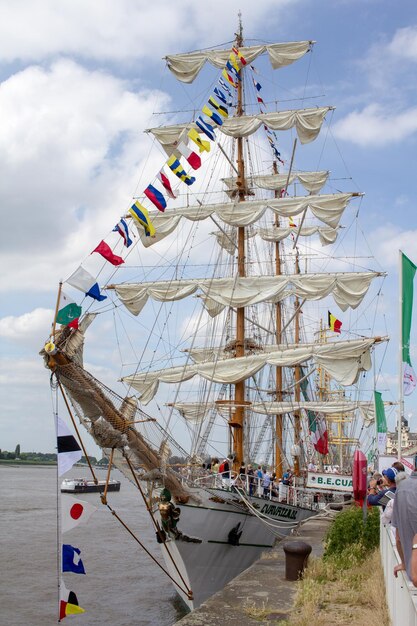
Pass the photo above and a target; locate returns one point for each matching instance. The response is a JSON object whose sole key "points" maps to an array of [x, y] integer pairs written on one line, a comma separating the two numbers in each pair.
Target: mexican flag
{"points": [[316, 424], [318, 432], [68, 311], [408, 270]]}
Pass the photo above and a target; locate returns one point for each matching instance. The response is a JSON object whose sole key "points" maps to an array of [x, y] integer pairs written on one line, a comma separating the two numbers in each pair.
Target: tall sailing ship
{"points": [[217, 300]]}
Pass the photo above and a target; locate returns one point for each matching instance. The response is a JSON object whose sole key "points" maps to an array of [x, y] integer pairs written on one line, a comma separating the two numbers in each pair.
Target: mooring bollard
{"points": [[336, 506], [296, 556]]}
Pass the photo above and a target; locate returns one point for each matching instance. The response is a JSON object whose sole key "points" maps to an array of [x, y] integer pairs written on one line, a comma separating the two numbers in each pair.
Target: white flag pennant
{"points": [[82, 280], [69, 452], [409, 379]]}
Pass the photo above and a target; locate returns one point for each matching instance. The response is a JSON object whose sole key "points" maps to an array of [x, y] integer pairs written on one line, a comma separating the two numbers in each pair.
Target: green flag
{"points": [[408, 270], [371, 455], [381, 422], [68, 311]]}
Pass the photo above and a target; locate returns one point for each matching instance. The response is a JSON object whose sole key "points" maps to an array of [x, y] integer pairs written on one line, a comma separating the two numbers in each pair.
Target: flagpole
{"points": [[58, 539], [56, 309], [400, 352], [78, 432], [376, 448], [58, 518]]}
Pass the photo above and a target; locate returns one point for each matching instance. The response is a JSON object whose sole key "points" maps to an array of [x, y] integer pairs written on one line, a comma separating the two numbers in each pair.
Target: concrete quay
{"points": [[259, 595]]}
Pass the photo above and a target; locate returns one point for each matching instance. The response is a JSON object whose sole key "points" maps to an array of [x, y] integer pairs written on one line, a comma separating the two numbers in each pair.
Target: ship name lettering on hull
{"points": [[279, 511]]}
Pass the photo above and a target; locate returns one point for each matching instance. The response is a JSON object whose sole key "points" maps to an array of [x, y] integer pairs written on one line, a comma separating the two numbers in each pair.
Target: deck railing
{"points": [[401, 594], [315, 499]]}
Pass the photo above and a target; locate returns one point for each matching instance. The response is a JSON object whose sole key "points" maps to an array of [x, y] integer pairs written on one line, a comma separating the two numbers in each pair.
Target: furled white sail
{"points": [[348, 290], [342, 361], [198, 411], [186, 67], [328, 407], [199, 355], [328, 208], [311, 181], [193, 411], [326, 234], [228, 239], [307, 123]]}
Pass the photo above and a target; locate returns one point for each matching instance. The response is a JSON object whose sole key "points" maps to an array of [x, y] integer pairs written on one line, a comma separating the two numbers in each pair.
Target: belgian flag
{"points": [[334, 324]]}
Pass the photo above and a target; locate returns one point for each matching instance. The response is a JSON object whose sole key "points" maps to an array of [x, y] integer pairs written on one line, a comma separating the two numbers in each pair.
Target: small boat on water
{"points": [[81, 485]]}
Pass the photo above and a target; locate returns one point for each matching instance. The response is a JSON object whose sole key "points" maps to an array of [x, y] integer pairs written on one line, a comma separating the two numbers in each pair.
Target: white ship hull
{"points": [[208, 566]]}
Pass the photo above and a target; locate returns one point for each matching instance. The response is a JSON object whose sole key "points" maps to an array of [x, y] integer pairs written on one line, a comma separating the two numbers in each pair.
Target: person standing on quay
{"points": [[389, 484], [404, 519]]}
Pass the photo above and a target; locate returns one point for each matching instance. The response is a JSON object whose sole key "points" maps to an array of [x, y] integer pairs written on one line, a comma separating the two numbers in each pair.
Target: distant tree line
{"points": [[39, 457], [43, 457], [176, 462]]}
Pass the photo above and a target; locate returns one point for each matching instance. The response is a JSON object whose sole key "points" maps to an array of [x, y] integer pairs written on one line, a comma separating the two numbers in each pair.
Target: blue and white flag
{"points": [[222, 96], [225, 86], [207, 128], [71, 561], [82, 280]]}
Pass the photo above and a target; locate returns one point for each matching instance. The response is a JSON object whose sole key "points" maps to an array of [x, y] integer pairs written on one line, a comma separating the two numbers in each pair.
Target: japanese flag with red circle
{"points": [[74, 512]]}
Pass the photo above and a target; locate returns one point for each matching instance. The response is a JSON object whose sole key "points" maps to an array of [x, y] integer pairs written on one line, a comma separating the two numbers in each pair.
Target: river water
{"points": [[122, 586]]}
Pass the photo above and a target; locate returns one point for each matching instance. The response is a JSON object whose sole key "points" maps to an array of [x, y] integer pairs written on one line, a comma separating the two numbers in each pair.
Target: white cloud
{"points": [[26, 382], [29, 329], [388, 239], [404, 43], [199, 325], [375, 127], [25, 373], [26, 416], [387, 380], [125, 30], [68, 165], [389, 63]]}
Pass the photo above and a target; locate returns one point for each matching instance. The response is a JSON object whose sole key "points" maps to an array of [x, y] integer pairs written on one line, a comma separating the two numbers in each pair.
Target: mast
{"points": [[237, 418], [278, 371], [278, 324], [297, 376], [400, 352]]}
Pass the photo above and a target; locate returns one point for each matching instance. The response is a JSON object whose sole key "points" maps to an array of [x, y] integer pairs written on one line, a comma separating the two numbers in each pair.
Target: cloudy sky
{"points": [[81, 80]]}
